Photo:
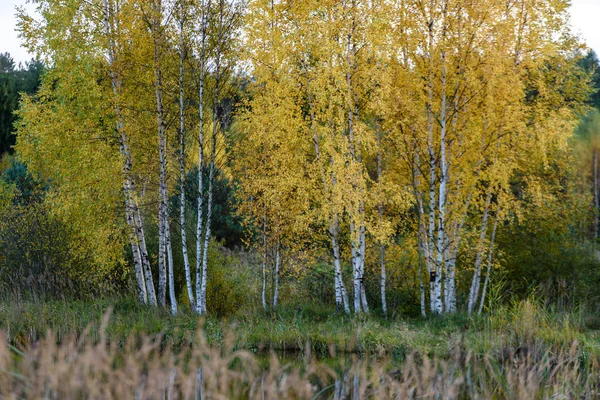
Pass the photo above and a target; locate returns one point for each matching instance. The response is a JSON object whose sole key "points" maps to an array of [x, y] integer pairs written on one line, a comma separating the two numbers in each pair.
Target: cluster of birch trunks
{"points": [[155, 19], [424, 97]]}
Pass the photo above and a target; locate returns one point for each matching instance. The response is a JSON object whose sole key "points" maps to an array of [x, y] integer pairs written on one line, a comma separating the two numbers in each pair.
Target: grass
{"points": [[318, 329], [95, 363], [79, 350]]}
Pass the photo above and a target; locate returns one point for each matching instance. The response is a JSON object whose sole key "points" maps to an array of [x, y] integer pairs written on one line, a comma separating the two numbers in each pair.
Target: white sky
{"points": [[585, 18]]}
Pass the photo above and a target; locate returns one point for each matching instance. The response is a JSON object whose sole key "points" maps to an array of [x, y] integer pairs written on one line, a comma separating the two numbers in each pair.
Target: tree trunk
{"points": [[383, 280], [200, 193], [489, 265], [182, 200], [363, 294], [144, 280], [162, 151], [356, 268], [211, 171], [277, 265], [596, 194], [264, 264], [442, 234], [356, 233], [421, 286], [423, 251], [380, 211], [341, 296], [144, 252], [434, 287], [172, 294], [340, 288], [476, 281]]}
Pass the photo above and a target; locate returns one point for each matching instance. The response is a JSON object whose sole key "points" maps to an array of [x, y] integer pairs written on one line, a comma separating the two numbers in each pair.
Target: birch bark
{"points": [[211, 171], [263, 296], [434, 279], [383, 279], [341, 297], [277, 266], [200, 194], [144, 281], [596, 194], [442, 234], [489, 265], [476, 281], [162, 151], [172, 294], [182, 199]]}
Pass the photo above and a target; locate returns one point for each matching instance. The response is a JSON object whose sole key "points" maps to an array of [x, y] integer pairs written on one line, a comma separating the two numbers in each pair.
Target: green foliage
{"points": [[41, 258], [591, 64], [229, 288], [226, 225], [25, 79]]}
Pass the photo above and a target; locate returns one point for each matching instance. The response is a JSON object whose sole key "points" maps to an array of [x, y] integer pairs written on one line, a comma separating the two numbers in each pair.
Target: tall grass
{"points": [[82, 368], [519, 351]]}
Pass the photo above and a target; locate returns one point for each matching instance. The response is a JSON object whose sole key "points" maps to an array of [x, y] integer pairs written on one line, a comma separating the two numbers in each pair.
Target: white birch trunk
{"points": [[211, 171], [277, 266], [172, 294], [200, 194], [421, 286], [162, 150], [341, 296], [264, 264], [356, 234], [144, 281], [441, 234], [476, 280], [144, 252], [339, 281], [356, 268], [182, 200], [363, 294], [434, 287], [423, 251], [489, 265], [383, 279], [596, 194]]}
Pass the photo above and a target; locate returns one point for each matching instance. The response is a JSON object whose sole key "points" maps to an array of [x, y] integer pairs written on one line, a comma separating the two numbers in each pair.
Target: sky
{"points": [[585, 17]]}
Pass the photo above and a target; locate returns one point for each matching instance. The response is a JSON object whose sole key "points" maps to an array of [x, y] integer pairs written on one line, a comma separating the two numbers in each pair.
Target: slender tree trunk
{"points": [[384, 279], [356, 268], [357, 233], [596, 194], [211, 171], [423, 251], [442, 234], [172, 294], [264, 263], [277, 266], [200, 193], [339, 281], [489, 265], [341, 297], [144, 280], [421, 286], [476, 281], [363, 293], [380, 211], [144, 252], [182, 200], [434, 280], [162, 151]]}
